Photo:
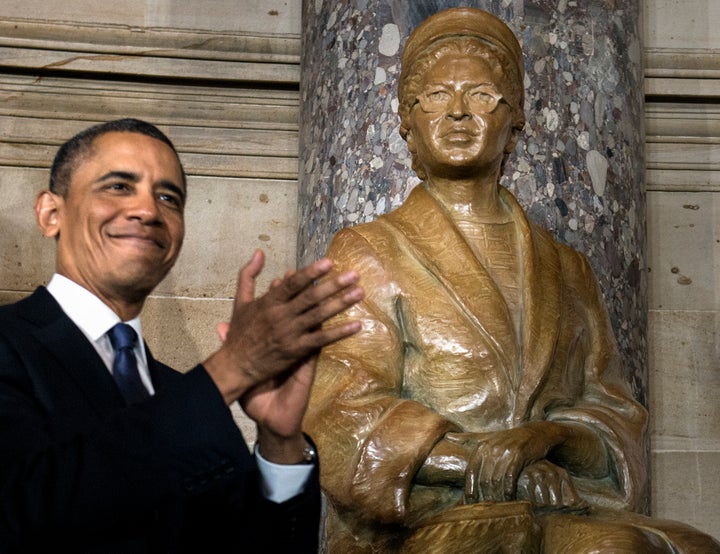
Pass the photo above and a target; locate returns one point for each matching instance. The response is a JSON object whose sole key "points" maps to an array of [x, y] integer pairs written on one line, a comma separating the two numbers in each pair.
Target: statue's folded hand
{"points": [[547, 485], [499, 459]]}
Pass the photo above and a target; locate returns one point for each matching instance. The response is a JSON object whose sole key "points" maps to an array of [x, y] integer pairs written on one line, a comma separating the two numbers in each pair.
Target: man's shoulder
{"points": [[40, 300], [34, 310]]}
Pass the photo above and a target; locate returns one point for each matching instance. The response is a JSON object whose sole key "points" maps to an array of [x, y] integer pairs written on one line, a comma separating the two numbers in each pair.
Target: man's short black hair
{"points": [[77, 147]]}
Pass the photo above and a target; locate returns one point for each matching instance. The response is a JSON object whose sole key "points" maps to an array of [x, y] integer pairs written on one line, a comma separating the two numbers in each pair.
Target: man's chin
{"points": [[140, 278]]}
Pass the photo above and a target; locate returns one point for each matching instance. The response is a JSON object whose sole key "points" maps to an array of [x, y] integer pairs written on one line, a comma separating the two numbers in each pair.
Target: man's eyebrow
{"points": [[134, 178], [124, 175]]}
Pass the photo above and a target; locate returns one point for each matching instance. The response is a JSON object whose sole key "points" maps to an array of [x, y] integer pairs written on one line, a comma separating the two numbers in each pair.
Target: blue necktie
{"points": [[125, 370]]}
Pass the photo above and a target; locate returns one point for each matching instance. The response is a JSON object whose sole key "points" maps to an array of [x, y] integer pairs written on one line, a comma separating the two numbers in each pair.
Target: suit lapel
{"points": [[72, 351], [160, 374]]}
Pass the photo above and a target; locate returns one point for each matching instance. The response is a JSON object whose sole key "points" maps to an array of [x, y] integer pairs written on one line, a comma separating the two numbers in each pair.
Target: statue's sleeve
{"points": [[607, 405], [371, 441]]}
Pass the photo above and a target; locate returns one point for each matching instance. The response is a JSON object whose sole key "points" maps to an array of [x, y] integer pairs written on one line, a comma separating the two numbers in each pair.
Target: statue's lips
{"points": [[459, 135]]}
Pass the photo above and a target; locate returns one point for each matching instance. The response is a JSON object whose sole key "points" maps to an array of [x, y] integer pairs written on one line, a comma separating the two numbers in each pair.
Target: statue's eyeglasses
{"points": [[479, 99]]}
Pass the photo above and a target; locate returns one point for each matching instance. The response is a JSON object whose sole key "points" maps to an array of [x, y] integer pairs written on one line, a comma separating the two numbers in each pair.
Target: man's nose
{"points": [[143, 205]]}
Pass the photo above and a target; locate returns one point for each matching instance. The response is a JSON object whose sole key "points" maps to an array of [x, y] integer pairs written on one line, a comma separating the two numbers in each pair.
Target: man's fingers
{"points": [[295, 282], [320, 299], [247, 276], [329, 307], [309, 335], [329, 287], [328, 335], [270, 333], [222, 330], [304, 289]]}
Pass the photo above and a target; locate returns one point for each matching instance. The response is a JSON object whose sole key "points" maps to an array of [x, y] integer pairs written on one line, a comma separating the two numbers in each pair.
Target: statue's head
{"points": [[462, 32]]}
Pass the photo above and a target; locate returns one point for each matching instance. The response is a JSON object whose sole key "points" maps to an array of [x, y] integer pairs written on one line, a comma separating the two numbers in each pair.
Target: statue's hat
{"points": [[459, 22]]}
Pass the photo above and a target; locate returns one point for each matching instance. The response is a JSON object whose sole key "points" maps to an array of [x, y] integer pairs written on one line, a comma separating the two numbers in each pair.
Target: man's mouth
{"points": [[141, 239]]}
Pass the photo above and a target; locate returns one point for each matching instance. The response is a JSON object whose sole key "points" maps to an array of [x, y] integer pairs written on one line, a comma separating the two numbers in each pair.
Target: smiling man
{"points": [[121, 217], [105, 449], [482, 407]]}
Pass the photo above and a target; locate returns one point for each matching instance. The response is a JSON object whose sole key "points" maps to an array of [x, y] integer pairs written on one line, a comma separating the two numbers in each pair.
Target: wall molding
{"points": [[682, 73], [148, 52], [218, 131], [682, 146]]}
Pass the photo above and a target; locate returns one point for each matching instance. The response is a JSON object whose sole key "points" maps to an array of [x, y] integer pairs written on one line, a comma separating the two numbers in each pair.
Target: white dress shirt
{"points": [[95, 318]]}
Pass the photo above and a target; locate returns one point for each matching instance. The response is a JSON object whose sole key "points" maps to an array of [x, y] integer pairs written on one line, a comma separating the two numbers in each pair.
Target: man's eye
{"points": [[171, 199], [118, 186]]}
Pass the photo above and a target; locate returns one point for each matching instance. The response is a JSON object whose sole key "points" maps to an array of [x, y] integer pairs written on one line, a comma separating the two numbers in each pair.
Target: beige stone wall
{"points": [[683, 201], [224, 89]]}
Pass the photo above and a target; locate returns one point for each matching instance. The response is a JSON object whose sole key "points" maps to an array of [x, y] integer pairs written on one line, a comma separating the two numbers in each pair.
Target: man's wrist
{"points": [[297, 450], [309, 453]]}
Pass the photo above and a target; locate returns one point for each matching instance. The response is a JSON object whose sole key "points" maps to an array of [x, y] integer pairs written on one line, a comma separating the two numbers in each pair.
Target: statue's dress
{"points": [[442, 351]]}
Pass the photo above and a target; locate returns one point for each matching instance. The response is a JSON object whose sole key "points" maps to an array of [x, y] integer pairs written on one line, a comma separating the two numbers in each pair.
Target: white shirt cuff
{"points": [[280, 482]]}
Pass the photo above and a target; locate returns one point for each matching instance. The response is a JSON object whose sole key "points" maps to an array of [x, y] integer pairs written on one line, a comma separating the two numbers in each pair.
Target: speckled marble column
{"points": [[578, 168]]}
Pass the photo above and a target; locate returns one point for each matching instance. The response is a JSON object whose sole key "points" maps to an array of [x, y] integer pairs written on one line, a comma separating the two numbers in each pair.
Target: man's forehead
{"points": [[122, 138], [118, 150], [117, 142]]}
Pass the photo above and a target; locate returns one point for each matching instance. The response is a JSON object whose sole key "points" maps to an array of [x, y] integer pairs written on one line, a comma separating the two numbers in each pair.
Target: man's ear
{"points": [[47, 205]]}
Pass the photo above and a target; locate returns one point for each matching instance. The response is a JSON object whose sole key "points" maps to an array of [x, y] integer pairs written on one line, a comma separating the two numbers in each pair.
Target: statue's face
{"points": [[461, 124]]}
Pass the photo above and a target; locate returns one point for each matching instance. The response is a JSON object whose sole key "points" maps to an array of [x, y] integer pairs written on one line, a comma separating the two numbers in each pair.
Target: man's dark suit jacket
{"points": [[80, 472]]}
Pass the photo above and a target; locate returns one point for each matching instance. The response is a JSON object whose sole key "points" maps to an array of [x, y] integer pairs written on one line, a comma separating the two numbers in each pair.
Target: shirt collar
{"points": [[85, 309]]}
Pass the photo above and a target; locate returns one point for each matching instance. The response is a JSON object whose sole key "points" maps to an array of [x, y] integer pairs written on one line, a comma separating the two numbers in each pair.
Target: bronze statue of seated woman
{"points": [[483, 407]]}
